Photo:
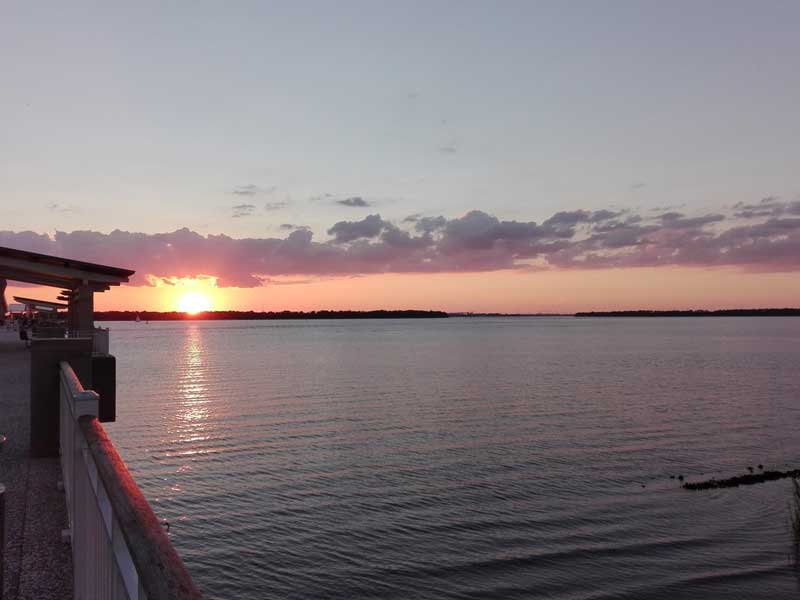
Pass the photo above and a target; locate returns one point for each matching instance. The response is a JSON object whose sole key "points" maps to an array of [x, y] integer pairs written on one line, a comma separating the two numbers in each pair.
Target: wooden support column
{"points": [[3, 303], [85, 309], [71, 309]]}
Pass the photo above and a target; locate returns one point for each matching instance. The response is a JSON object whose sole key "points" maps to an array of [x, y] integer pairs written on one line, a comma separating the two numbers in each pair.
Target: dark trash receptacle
{"points": [[104, 382]]}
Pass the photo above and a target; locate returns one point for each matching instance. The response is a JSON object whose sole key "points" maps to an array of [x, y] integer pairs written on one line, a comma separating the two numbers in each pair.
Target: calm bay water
{"points": [[466, 458]]}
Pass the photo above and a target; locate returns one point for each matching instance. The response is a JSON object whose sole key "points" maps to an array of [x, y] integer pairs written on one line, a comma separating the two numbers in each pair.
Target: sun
{"points": [[193, 303]]}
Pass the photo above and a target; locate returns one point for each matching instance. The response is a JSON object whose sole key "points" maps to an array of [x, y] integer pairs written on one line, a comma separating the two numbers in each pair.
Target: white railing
{"points": [[102, 563], [119, 548], [98, 335], [101, 343]]}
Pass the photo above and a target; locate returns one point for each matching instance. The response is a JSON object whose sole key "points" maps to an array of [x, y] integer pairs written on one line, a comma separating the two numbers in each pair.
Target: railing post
{"points": [[86, 403]]}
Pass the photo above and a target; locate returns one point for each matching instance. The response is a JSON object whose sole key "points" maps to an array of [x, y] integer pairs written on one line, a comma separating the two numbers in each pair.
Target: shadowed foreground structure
{"points": [[95, 536]]}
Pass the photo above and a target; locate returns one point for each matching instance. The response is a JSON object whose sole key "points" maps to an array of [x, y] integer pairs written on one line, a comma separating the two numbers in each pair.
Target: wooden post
{"points": [[85, 313], [3, 311], [71, 309]]}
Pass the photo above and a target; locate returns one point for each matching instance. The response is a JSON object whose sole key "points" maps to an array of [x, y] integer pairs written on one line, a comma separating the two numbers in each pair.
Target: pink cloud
{"points": [[476, 241]]}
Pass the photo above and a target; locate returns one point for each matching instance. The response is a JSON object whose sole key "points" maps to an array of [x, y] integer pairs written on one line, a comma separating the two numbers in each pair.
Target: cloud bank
{"points": [[763, 236]]}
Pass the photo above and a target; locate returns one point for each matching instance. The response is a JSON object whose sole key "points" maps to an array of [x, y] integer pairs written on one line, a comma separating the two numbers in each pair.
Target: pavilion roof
{"points": [[57, 271], [47, 304]]}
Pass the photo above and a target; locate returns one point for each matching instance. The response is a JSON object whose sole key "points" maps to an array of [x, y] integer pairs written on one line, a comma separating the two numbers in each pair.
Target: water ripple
{"points": [[465, 458]]}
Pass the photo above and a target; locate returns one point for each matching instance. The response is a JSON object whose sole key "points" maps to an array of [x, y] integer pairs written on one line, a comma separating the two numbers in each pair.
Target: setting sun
{"points": [[193, 303]]}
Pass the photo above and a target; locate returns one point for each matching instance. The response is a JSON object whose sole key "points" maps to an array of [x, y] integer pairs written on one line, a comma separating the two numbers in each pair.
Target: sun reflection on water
{"points": [[191, 424]]}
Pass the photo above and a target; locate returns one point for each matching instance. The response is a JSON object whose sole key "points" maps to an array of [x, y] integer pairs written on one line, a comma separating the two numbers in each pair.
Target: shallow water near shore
{"points": [[466, 458]]}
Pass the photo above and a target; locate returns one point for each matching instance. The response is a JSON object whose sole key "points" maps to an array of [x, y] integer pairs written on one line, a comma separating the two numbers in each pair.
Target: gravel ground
{"points": [[38, 565]]}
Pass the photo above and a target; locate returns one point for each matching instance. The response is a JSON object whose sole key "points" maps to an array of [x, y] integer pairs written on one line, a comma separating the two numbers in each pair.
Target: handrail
{"points": [[120, 550], [98, 335], [161, 571], [70, 379]]}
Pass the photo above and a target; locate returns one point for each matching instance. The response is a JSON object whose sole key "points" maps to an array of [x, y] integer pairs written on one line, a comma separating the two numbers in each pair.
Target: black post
{"points": [[2, 525], [104, 382], [2, 536]]}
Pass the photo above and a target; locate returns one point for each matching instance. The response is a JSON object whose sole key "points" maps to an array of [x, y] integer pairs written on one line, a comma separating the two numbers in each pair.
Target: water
{"points": [[466, 458]]}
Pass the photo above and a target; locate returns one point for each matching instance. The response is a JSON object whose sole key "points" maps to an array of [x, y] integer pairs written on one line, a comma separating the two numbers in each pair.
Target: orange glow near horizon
{"points": [[499, 291], [191, 295], [193, 303]]}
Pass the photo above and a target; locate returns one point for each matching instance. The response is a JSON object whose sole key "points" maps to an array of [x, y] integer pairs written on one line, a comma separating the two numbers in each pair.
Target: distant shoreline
{"points": [[733, 312], [236, 315], [287, 315]]}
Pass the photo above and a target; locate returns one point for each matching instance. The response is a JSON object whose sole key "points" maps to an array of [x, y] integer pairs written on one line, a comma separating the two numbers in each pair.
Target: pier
{"points": [[76, 525]]}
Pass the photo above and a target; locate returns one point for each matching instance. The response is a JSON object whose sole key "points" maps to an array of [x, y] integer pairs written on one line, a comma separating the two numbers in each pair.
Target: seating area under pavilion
{"points": [[41, 307]]}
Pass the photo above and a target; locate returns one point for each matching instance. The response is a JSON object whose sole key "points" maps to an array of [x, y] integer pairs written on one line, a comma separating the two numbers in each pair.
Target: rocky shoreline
{"points": [[747, 479]]}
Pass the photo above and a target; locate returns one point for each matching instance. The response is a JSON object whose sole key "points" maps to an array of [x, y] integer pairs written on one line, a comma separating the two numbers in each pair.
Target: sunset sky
{"points": [[513, 156]]}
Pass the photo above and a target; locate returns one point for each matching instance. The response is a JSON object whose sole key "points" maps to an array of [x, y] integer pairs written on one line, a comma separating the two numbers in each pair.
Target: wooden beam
{"points": [[31, 277], [63, 273]]}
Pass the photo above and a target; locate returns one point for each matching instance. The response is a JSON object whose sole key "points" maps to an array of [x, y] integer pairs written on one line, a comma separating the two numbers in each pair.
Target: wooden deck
{"points": [[38, 564]]}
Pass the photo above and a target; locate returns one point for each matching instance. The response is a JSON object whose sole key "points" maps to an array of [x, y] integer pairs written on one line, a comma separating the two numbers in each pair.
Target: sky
{"points": [[513, 156]]}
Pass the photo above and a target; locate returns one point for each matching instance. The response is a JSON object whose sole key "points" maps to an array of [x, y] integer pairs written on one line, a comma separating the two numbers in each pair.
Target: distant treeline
{"points": [[236, 315], [497, 314], [734, 312]]}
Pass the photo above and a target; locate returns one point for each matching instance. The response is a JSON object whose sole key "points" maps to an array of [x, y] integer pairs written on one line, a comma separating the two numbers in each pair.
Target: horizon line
{"points": [[432, 313]]}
